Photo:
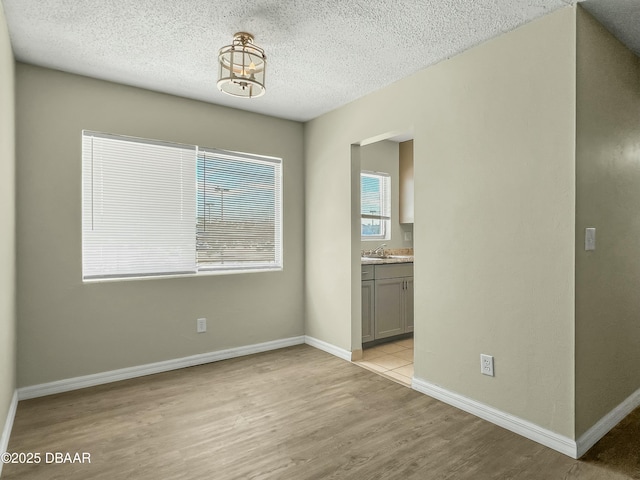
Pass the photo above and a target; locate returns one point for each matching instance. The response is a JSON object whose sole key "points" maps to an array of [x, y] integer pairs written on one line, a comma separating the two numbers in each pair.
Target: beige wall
{"points": [[495, 224], [494, 134], [67, 328], [608, 196], [383, 157], [7, 225]]}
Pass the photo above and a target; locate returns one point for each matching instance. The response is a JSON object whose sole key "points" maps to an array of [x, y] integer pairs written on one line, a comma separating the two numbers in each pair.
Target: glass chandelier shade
{"points": [[241, 67]]}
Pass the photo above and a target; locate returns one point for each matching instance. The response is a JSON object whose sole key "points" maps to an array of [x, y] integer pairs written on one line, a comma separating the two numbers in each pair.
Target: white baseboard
{"points": [[515, 424], [8, 425], [76, 383], [606, 423], [328, 347]]}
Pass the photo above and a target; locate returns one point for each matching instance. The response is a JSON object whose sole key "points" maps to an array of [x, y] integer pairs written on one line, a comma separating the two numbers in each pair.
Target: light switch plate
{"points": [[201, 325], [590, 238], [407, 236]]}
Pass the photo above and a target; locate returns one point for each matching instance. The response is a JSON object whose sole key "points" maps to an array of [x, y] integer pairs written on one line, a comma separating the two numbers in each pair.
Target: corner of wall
{"points": [[8, 321], [607, 195]]}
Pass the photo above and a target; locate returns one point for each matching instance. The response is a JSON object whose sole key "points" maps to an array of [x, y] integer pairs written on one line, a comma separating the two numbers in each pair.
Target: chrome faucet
{"points": [[379, 250]]}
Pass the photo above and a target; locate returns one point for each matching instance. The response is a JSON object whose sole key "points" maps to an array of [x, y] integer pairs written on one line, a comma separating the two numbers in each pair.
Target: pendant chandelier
{"points": [[242, 65]]}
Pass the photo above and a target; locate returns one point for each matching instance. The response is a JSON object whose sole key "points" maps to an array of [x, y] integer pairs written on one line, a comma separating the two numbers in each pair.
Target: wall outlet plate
{"points": [[486, 364], [201, 325]]}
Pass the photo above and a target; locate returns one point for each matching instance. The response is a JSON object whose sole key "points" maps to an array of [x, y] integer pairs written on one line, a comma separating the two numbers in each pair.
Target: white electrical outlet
{"points": [[486, 364], [201, 325]]}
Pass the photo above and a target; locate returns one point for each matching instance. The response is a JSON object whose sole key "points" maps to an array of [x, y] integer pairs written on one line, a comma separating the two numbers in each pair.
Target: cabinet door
{"points": [[367, 311], [389, 307], [408, 304]]}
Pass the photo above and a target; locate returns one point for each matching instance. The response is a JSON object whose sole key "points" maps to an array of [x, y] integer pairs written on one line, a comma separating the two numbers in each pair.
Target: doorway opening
{"points": [[382, 326]]}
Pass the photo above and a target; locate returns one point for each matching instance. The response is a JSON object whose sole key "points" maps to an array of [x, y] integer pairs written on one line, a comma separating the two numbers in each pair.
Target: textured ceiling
{"points": [[620, 17], [321, 54]]}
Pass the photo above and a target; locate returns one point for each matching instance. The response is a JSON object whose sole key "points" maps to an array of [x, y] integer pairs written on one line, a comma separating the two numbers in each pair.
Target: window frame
{"points": [[385, 198], [87, 181]]}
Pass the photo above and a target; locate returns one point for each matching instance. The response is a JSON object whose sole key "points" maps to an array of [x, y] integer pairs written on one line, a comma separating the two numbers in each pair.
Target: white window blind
{"points": [[139, 203], [239, 222], [375, 204]]}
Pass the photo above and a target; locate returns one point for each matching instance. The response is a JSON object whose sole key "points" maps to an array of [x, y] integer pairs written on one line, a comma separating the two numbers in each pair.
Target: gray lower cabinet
{"points": [[367, 311], [387, 301], [389, 307]]}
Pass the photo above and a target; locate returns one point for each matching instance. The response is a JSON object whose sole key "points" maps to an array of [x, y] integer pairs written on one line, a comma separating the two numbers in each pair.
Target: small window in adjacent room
{"points": [[375, 205], [154, 208]]}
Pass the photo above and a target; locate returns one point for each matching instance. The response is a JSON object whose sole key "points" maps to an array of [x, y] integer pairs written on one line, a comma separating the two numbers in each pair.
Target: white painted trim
{"points": [[69, 384], [517, 425], [606, 423], [8, 425], [328, 347]]}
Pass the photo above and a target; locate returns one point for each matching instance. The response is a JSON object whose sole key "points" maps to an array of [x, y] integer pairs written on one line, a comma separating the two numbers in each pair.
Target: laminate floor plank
{"points": [[293, 414]]}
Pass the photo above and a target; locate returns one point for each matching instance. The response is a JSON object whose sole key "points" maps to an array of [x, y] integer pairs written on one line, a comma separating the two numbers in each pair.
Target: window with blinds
{"points": [[375, 205], [239, 211], [153, 208]]}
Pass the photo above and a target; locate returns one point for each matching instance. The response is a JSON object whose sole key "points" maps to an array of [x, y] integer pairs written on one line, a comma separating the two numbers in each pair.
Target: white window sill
{"points": [[203, 273]]}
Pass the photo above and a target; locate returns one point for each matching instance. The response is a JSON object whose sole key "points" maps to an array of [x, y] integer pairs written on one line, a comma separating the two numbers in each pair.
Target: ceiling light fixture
{"points": [[242, 66]]}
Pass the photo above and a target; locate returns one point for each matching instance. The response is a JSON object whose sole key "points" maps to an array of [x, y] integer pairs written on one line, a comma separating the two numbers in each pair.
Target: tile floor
{"points": [[393, 360]]}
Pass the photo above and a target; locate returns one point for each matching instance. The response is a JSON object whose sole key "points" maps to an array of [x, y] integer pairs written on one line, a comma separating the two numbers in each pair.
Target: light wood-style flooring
{"points": [[296, 413]]}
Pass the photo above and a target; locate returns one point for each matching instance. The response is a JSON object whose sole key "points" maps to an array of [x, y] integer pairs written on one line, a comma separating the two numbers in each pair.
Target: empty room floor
{"points": [[296, 413], [393, 360]]}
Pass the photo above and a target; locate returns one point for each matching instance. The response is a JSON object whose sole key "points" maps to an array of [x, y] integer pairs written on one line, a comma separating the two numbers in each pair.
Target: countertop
{"points": [[388, 259]]}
